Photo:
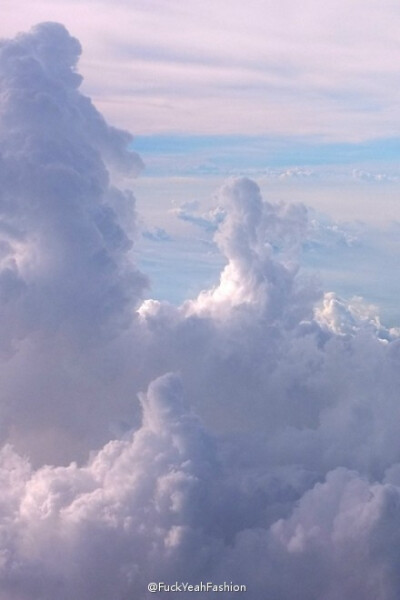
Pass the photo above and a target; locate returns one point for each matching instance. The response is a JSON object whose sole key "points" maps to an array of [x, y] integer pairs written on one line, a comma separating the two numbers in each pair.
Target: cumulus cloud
{"points": [[171, 503], [299, 389], [345, 317], [374, 177], [127, 517], [266, 448], [66, 279]]}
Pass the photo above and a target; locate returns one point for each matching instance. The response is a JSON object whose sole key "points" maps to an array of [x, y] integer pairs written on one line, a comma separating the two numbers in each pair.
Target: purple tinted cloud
{"points": [[266, 448]]}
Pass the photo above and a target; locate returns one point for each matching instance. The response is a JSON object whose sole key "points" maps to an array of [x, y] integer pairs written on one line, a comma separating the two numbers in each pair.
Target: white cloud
{"points": [[344, 318]]}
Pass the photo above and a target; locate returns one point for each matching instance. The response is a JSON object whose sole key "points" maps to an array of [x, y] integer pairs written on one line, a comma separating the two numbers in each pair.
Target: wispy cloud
{"points": [[323, 68]]}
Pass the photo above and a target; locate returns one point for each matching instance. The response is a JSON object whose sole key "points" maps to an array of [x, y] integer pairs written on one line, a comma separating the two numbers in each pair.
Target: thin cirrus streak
{"points": [[327, 69], [265, 450]]}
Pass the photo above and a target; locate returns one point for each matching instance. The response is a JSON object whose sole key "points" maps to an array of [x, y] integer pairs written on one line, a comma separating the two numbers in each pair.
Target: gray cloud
{"points": [[67, 284]]}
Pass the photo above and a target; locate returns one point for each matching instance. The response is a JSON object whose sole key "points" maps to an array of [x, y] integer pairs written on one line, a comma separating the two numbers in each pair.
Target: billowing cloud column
{"points": [[67, 287], [260, 242]]}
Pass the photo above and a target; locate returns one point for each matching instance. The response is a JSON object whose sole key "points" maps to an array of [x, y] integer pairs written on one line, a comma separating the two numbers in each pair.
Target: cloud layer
{"points": [[265, 445], [320, 69]]}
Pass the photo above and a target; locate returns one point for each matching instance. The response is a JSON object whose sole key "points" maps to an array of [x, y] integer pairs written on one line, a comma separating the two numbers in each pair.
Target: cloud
{"points": [[162, 505], [251, 236], [108, 528], [302, 404], [374, 177], [208, 221], [345, 317], [67, 283], [264, 445], [158, 234]]}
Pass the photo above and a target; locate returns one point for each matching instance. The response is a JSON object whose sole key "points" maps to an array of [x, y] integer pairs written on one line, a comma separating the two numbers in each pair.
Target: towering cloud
{"points": [[266, 449], [67, 284]]}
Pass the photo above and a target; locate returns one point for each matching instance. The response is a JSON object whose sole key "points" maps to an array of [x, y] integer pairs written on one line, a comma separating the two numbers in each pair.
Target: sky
{"points": [[200, 341], [325, 70], [301, 98]]}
